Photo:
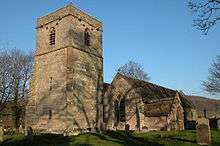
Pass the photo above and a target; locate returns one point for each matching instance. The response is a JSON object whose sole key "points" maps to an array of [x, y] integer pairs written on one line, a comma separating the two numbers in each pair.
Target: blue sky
{"points": [[156, 33]]}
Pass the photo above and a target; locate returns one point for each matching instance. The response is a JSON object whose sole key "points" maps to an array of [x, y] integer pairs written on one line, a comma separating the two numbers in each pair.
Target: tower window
{"points": [[87, 37], [50, 114], [50, 83], [52, 37]]}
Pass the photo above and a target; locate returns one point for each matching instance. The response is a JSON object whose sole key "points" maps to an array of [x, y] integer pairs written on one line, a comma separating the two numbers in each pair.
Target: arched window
{"points": [[50, 114], [120, 110], [87, 37], [52, 37], [47, 111], [117, 115]]}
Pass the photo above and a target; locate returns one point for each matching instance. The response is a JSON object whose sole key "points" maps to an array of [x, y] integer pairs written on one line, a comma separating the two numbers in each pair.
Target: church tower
{"points": [[67, 80]]}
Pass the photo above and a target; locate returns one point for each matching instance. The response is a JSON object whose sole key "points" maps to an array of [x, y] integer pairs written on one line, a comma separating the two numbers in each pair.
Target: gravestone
{"points": [[203, 132], [30, 136], [1, 134], [20, 129], [218, 123], [203, 121], [93, 127], [127, 127]]}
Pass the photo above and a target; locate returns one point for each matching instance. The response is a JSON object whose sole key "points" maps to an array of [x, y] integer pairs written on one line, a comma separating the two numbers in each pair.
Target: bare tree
{"points": [[15, 71], [134, 70], [212, 85], [207, 13], [5, 79]]}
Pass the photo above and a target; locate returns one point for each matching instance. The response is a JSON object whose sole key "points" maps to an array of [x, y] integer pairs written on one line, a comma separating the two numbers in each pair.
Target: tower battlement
{"points": [[69, 10]]}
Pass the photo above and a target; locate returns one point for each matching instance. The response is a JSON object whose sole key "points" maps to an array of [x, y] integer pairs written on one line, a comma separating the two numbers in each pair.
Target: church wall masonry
{"points": [[145, 109], [68, 76]]}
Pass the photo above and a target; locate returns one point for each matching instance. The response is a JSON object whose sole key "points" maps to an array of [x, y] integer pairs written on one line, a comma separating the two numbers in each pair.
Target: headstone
{"points": [[1, 134], [30, 136], [218, 123], [20, 129], [127, 127], [205, 113], [203, 132], [203, 121], [93, 127]]}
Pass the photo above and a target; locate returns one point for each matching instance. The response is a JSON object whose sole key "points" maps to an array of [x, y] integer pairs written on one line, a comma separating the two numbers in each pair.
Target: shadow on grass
{"points": [[39, 140], [122, 138], [126, 138], [182, 139]]}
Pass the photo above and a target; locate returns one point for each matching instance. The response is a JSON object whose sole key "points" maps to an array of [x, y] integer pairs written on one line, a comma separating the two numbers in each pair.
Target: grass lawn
{"points": [[183, 138]]}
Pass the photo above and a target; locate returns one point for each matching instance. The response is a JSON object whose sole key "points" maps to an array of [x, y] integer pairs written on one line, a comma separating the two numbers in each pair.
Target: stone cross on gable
{"points": [[71, 2]]}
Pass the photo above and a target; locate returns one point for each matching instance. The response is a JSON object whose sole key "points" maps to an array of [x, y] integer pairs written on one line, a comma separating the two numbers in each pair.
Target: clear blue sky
{"points": [[156, 33]]}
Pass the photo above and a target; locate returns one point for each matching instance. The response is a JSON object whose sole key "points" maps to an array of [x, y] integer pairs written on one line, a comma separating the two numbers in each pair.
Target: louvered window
{"points": [[52, 37], [87, 37]]}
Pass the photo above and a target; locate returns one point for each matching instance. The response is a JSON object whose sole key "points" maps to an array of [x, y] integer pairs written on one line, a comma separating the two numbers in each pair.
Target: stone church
{"points": [[68, 94], [138, 105]]}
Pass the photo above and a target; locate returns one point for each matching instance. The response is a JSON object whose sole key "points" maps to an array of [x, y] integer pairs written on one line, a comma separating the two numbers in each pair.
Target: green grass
{"points": [[183, 138]]}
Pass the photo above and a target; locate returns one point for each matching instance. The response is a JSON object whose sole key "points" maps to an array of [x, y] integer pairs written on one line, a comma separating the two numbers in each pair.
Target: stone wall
{"points": [[67, 81], [176, 116], [134, 109], [84, 88], [173, 121], [48, 93], [6, 120], [155, 123]]}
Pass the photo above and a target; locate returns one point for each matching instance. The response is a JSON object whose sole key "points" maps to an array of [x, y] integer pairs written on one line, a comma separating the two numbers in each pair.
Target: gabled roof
{"points": [[150, 92], [106, 85], [212, 106], [186, 103], [158, 100], [161, 108]]}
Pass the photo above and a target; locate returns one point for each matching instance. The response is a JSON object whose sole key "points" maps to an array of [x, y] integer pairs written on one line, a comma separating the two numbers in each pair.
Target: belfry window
{"points": [[87, 37], [52, 37]]}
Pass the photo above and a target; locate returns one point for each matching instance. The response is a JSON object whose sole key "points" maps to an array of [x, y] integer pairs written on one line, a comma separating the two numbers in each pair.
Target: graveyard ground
{"points": [[183, 138]]}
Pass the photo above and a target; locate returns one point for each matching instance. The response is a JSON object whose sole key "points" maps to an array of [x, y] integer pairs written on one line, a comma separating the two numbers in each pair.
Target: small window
{"points": [[47, 112], [87, 37], [51, 83], [52, 37], [50, 114]]}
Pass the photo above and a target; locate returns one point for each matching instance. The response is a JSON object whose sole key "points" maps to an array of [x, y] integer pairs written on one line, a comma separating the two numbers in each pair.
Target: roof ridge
{"points": [[146, 82]]}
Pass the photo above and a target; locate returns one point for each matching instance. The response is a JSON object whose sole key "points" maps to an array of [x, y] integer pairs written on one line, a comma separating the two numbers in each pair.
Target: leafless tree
{"points": [[207, 13], [15, 71], [134, 70], [212, 85], [5, 79]]}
